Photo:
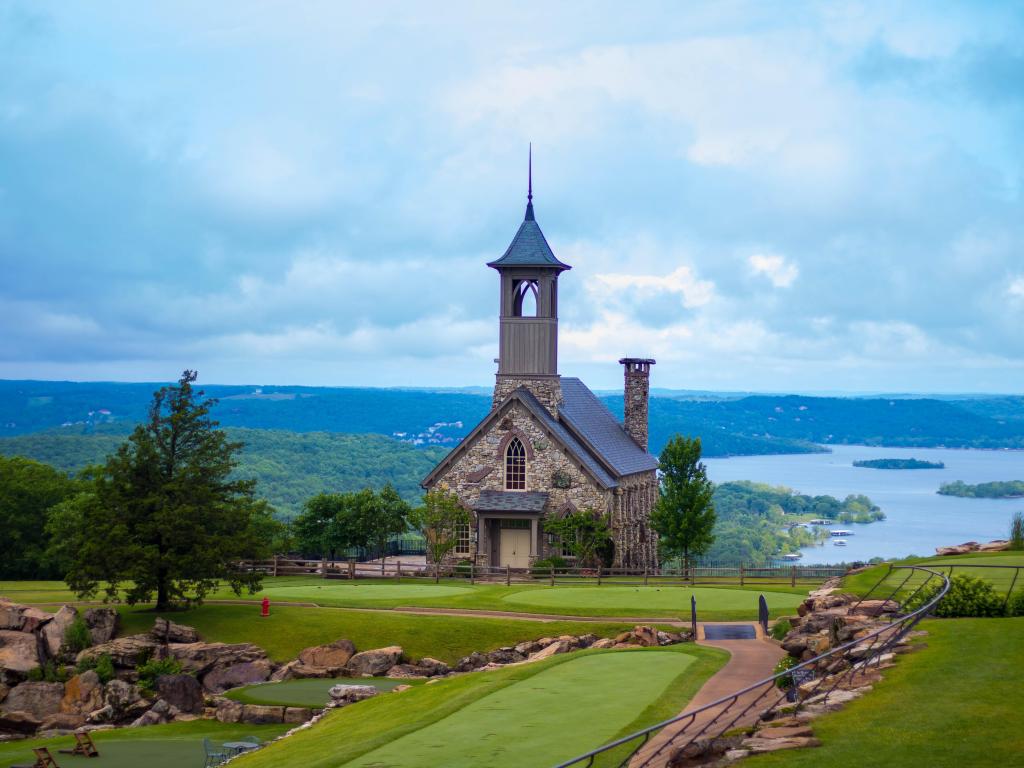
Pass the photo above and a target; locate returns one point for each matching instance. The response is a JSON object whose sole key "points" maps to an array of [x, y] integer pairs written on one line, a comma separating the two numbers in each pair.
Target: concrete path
{"points": [[749, 662]]}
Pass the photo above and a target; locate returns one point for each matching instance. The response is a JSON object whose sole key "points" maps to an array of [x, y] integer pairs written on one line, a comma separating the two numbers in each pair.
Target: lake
{"points": [[917, 518]]}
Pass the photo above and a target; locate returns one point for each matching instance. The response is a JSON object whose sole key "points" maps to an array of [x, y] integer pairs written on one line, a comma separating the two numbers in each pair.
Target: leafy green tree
{"points": [[328, 524], [585, 533], [684, 516], [28, 491], [439, 520], [381, 516], [165, 514]]}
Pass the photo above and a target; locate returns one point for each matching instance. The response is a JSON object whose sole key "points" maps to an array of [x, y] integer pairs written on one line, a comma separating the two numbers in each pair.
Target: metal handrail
{"points": [[896, 630]]}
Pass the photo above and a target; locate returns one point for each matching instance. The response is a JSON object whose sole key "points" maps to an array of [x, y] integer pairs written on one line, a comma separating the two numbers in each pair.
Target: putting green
{"points": [[636, 599], [537, 721], [357, 592], [156, 753], [309, 692]]}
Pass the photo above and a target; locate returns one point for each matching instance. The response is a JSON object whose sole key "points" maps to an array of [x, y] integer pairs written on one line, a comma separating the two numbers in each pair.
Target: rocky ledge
{"points": [[997, 545]]}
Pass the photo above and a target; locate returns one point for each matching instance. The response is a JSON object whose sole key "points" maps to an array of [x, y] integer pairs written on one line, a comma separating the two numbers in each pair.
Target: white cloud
{"points": [[777, 269], [1016, 288], [692, 291]]}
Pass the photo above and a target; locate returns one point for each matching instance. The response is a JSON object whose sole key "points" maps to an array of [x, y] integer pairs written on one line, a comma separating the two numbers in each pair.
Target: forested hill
{"points": [[289, 466], [757, 424]]}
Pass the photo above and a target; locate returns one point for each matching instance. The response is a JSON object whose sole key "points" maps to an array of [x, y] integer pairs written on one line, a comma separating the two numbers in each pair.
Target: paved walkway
{"points": [[749, 662]]}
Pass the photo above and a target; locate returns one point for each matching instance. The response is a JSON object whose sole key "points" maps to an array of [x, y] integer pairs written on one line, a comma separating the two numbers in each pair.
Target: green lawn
{"points": [[288, 630], [312, 692], [956, 704], [547, 711], [176, 745], [1001, 578]]}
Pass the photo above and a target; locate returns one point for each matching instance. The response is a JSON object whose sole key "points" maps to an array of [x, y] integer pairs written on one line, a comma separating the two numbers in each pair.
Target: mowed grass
{"points": [[718, 603], [583, 705], [1001, 578], [288, 629], [955, 704], [176, 745], [311, 692]]}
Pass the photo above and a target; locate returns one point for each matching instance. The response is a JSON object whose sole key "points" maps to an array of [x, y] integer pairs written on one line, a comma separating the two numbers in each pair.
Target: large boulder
{"points": [[376, 661], [53, 632], [504, 656], [102, 624], [475, 660], [229, 711], [875, 607], [11, 616], [221, 678], [82, 694], [349, 694], [125, 652], [646, 636], [296, 715], [333, 656], [123, 700], [558, 646], [18, 722], [257, 714], [407, 671], [433, 667], [19, 651], [200, 658], [62, 721], [168, 632], [181, 691], [34, 619], [38, 699]]}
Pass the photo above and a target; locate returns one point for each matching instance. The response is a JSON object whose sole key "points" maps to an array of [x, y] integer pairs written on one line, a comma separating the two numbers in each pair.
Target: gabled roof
{"points": [[511, 501], [600, 431], [558, 432], [529, 248]]}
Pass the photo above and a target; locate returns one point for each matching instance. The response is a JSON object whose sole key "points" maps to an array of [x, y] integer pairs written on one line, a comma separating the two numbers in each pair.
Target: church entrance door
{"points": [[514, 546]]}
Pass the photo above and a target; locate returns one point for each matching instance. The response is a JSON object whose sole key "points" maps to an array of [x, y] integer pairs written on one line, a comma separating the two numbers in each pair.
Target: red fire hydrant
{"points": [[265, 607]]}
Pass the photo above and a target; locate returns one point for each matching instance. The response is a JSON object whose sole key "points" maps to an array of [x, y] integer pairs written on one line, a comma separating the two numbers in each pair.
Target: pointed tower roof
{"points": [[529, 248]]}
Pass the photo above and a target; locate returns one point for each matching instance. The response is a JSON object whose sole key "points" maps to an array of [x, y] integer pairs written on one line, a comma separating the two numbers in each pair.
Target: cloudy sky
{"points": [[798, 197]]}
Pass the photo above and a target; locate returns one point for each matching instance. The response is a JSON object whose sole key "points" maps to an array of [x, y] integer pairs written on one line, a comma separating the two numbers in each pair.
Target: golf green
{"points": [[156, 753], [311, 692], [357, 592], [537, 721], [637, 599]]}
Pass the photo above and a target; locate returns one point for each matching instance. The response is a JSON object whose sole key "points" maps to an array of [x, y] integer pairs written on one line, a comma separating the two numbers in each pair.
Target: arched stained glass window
{"points": [[515, 465]]}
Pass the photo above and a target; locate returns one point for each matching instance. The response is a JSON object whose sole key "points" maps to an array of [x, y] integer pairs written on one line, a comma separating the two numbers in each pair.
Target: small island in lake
{"points": [[899, 464], [1007, 489]]}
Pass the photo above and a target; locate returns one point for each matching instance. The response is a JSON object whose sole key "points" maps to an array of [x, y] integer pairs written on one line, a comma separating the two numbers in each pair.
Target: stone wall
{"points": [[636, 396], [547, 389], [636, 543]]}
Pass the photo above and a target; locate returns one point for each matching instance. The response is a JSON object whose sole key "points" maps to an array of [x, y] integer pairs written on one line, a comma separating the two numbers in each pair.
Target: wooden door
{"points": [[515, 547]]}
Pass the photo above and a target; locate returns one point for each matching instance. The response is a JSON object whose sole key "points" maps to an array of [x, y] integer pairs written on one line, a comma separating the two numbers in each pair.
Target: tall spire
{"points": [[529, 186]]}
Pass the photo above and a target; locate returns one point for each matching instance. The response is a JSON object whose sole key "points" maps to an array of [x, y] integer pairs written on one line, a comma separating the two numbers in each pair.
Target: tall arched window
{"points": [[515, 465]]}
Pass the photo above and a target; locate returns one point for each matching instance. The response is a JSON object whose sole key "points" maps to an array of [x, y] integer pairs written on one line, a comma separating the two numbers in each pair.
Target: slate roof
{"points": [[529, 248], [511, 501], [600, 431], [567, 438]]}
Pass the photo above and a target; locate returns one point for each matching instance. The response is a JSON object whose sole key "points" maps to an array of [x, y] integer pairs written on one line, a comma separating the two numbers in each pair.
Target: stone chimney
{"points": [[637, 392]]}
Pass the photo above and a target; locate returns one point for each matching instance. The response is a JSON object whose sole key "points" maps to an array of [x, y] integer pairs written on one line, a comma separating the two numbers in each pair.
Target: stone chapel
{"points": [[549, 446]]}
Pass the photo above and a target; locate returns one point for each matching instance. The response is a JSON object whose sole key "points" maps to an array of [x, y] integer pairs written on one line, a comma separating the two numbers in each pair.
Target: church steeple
{"points": [[528, 335]]}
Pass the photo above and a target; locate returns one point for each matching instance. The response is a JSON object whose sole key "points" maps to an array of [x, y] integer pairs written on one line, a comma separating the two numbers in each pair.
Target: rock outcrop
{"points": [[374, 662]]}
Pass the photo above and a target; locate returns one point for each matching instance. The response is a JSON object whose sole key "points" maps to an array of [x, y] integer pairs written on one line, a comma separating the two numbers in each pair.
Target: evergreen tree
{"points": [[165, 515], [684, 516]]}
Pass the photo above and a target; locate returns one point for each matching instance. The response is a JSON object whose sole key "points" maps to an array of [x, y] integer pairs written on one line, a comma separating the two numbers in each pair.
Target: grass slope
{"points": [[1001, 578], [955, 704], [176, 745], [288, 630], [348, 734]]}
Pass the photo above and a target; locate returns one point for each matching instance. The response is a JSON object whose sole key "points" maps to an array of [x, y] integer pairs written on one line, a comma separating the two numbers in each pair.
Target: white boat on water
{"points": [[792, 556], [839, 543], [840, 532], [821, 521]]}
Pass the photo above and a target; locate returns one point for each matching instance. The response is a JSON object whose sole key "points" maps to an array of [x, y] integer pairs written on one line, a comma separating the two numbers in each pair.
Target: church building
{"points": [[549, 446]]}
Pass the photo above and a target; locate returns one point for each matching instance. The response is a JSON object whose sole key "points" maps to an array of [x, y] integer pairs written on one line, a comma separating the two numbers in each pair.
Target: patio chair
{"points": [[43, 759], [214, 756], [83, 746]]}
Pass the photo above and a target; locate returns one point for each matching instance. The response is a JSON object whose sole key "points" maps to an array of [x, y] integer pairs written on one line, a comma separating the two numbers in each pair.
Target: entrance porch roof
{"points": [[511, 501]]}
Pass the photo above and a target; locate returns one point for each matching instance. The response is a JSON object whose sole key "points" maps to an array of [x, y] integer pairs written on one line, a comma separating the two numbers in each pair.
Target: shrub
{"points": [[102, 665], [781, 628], [786, 662], [76, 636], [968, 596], [154, 668], [1017, 531], [1016, 605], [48, 673]]}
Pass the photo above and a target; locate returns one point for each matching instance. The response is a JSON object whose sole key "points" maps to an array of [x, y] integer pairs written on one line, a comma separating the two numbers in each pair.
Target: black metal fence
{"points": [[813, 682]]}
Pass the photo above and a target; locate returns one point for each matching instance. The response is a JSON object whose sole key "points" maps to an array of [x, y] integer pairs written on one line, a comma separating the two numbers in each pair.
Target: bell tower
{"points": [[528, 320]]}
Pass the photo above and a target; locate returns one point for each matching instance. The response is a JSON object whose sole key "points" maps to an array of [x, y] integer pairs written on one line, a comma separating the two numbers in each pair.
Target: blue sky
{"points": [[762, 196]]}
